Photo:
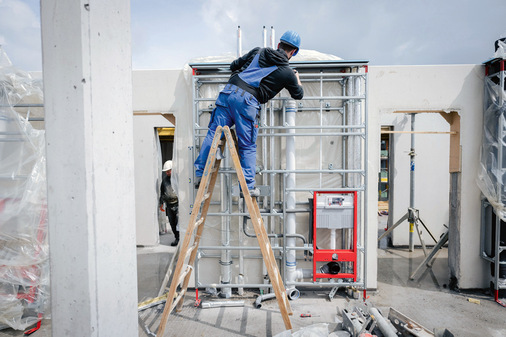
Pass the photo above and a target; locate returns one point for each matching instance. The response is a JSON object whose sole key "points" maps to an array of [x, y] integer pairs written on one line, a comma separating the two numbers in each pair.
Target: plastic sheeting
{"points": [[24, 266], [492, 171]]}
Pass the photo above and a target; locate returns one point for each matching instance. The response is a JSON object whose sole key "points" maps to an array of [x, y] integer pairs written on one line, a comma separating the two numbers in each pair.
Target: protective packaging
{"points": [[492, 172], [24, 265]]}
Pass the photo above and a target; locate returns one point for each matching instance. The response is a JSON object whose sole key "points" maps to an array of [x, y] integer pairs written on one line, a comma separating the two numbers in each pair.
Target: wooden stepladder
{"points": [[196, 227]]}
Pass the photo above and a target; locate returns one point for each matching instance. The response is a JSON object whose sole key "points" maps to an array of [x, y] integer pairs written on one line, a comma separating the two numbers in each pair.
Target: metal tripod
{"points": [[412, 215]]}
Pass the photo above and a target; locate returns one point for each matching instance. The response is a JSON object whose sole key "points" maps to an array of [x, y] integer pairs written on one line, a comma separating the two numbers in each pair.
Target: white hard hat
{"points": [[167, 166]]}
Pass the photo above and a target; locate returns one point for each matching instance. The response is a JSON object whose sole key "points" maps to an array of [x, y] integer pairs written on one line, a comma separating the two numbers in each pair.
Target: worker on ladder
{"points": [[256, 77]]}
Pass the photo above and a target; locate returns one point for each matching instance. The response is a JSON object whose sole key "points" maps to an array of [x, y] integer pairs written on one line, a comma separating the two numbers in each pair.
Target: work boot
{"points": [[174, 243], [254, 192]]}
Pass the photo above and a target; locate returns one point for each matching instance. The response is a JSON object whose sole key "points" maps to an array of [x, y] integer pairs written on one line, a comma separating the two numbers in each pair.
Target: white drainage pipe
{"points": [[290, 218]]}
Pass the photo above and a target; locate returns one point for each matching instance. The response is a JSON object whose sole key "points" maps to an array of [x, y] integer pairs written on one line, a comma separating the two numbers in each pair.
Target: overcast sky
{"points": [[167, 34]]}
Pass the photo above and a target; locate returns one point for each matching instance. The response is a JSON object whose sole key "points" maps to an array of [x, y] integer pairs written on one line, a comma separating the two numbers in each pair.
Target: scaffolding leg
{"points": [[428, 231], [428, 259], [404, 217], [498, 300], [419, 232]]}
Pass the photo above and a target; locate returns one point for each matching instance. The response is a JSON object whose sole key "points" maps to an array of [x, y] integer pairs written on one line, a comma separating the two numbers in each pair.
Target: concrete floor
{"points": [[427, 300]]}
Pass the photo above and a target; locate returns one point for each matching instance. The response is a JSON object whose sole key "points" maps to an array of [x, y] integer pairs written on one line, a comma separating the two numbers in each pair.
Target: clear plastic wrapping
{"points": [[492, 170], [24, 266]]}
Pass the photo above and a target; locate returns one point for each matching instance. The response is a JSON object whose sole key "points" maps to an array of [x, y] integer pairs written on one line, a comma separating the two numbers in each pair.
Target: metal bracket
{"points": [[332, 293]]}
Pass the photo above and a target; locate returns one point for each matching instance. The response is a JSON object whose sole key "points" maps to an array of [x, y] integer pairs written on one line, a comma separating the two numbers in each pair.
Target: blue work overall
{"points": [[237, 106]]}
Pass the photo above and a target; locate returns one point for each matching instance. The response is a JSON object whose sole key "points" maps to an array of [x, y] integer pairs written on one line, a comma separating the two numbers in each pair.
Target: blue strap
{"points": [[254, 74]]}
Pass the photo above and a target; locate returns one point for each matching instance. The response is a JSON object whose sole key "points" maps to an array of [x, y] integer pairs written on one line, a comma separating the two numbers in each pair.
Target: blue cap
{"points": [[291, 38]]}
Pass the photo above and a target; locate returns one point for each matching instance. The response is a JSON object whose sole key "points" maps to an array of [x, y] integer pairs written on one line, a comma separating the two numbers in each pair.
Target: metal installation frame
{"points": [[349, 107]]}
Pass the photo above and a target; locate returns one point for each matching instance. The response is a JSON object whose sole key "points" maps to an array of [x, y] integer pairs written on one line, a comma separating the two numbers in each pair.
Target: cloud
{"points": [[166, 34], [21, 39]]}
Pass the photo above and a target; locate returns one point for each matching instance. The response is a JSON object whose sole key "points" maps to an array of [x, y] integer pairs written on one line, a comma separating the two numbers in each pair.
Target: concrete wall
{"points": [[391, 88], [448, 87], [157, 92], [147, 176]]}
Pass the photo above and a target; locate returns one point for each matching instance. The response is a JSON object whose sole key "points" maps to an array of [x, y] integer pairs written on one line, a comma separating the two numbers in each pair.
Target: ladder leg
{"points": [[271, 257], [272, 268], [173, 286], [208, 175], [263, 240], [200, 228]]}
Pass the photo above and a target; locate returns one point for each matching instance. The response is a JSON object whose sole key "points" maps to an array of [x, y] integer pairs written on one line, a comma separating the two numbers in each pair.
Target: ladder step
{"points": [[178, 298], [199, 222], [183, 274], [190, 250]]}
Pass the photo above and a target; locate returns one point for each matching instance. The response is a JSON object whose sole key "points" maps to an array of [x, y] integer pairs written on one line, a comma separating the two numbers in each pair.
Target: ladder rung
{"points": [[199, 222], [183, 275], [180, 295], [190, 250]]}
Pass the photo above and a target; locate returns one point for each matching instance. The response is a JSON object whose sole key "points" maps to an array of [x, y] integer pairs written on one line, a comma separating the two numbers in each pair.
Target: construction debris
{"points": [[364, 320], [219, 304], [473, 300]]}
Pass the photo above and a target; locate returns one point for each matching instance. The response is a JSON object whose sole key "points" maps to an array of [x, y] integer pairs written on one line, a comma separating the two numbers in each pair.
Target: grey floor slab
{"points": [[427, 300]]}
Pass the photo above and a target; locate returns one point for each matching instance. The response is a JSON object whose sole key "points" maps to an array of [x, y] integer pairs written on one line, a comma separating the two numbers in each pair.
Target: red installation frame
{"points": [[335, 255]]}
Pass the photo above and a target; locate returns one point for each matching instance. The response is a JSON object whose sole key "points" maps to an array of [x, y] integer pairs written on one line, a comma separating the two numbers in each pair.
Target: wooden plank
{"points": [[455, 148]]}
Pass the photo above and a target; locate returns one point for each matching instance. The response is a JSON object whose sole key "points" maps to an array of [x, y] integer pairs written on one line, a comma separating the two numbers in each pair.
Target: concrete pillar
{"points": [[88, 110]]}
